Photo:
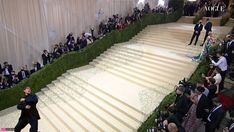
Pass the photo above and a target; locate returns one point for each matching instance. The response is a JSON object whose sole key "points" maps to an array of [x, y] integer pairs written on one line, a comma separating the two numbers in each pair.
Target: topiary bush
{"points": [[225, 19], [199, 15]]}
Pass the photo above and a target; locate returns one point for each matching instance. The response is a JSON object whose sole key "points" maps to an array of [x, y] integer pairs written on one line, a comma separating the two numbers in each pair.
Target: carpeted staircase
{"points": [[119, 89]]}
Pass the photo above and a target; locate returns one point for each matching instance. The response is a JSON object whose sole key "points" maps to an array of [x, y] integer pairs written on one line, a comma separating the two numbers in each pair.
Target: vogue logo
{"points": [[215, 8]]}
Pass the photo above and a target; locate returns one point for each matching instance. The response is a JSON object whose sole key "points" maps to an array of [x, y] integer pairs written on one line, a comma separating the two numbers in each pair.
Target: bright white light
{"points": [[192, 0], [141, 1], [161, 3]]}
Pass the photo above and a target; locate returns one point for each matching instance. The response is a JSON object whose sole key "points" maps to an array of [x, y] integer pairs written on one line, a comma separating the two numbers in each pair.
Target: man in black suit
{"points": [[230, 124], [208, 28], [1, 69], [212, 88], [29, 113], [45, 57], [202, 105], [181, 104], [197, 30], [70, 41], [13, 79], [229, 48], [22, 74], [215, 116]]}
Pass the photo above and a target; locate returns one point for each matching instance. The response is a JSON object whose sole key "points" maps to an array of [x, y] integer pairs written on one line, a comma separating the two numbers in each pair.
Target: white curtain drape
{"points": [[29, 26]]}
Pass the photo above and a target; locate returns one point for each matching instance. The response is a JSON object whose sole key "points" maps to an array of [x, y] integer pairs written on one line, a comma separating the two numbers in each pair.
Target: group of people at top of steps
{"points": [[211, 40], [197, 31]]}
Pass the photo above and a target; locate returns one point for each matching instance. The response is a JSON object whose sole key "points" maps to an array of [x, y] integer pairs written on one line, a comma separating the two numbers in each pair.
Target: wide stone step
{"points": [[57, 117], [109, 99], [134, 77], [152, 73], [76, 101], [175, 42], [155, 54], [45, 124], [175, 48], [141, 63], [121, 88], [137, 71], [147, 63], [186, 19], [164, 64], [64, 108], [76, 113], [168, 35], [171, 30], [115, 113], [185, 33]]}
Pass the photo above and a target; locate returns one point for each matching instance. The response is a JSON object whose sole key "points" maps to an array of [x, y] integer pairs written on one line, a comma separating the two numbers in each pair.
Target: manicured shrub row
{"points": [[225, 18], [40, 79], [199, 15]]}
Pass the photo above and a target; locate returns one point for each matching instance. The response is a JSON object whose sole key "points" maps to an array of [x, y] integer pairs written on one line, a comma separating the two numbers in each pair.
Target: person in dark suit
{"points": [[212, 88], [29, 113], [197, 30], [83, 42], [45, 57], [70, 41], [215, 116], [181, 103], [202, 105], [208, 28], [230, 124], [229, 48], [13, 79], [36, 67], [22, 74], [1, 69]]}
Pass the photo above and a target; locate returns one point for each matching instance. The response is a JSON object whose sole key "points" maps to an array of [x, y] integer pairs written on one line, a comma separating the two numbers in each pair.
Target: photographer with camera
{"points": [[181, 103], [171, 123]]}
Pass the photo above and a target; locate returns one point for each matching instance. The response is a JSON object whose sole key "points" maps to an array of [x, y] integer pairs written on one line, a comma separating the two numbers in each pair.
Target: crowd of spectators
{"points": [[190, 8], [202, 107], [9, 77]]}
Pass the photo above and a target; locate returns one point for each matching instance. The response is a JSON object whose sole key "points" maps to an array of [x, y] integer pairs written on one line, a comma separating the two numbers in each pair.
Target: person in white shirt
{"points": [[222, 64], [217, 76]]}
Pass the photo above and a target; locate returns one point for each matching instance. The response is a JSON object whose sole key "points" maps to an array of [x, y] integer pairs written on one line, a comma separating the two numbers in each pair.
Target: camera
{"points": [[187, 85]]}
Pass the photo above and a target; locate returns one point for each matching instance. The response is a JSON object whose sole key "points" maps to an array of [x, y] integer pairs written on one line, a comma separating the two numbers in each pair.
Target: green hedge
{"points": [[225, 19], [198, 16], [40, 79]]}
